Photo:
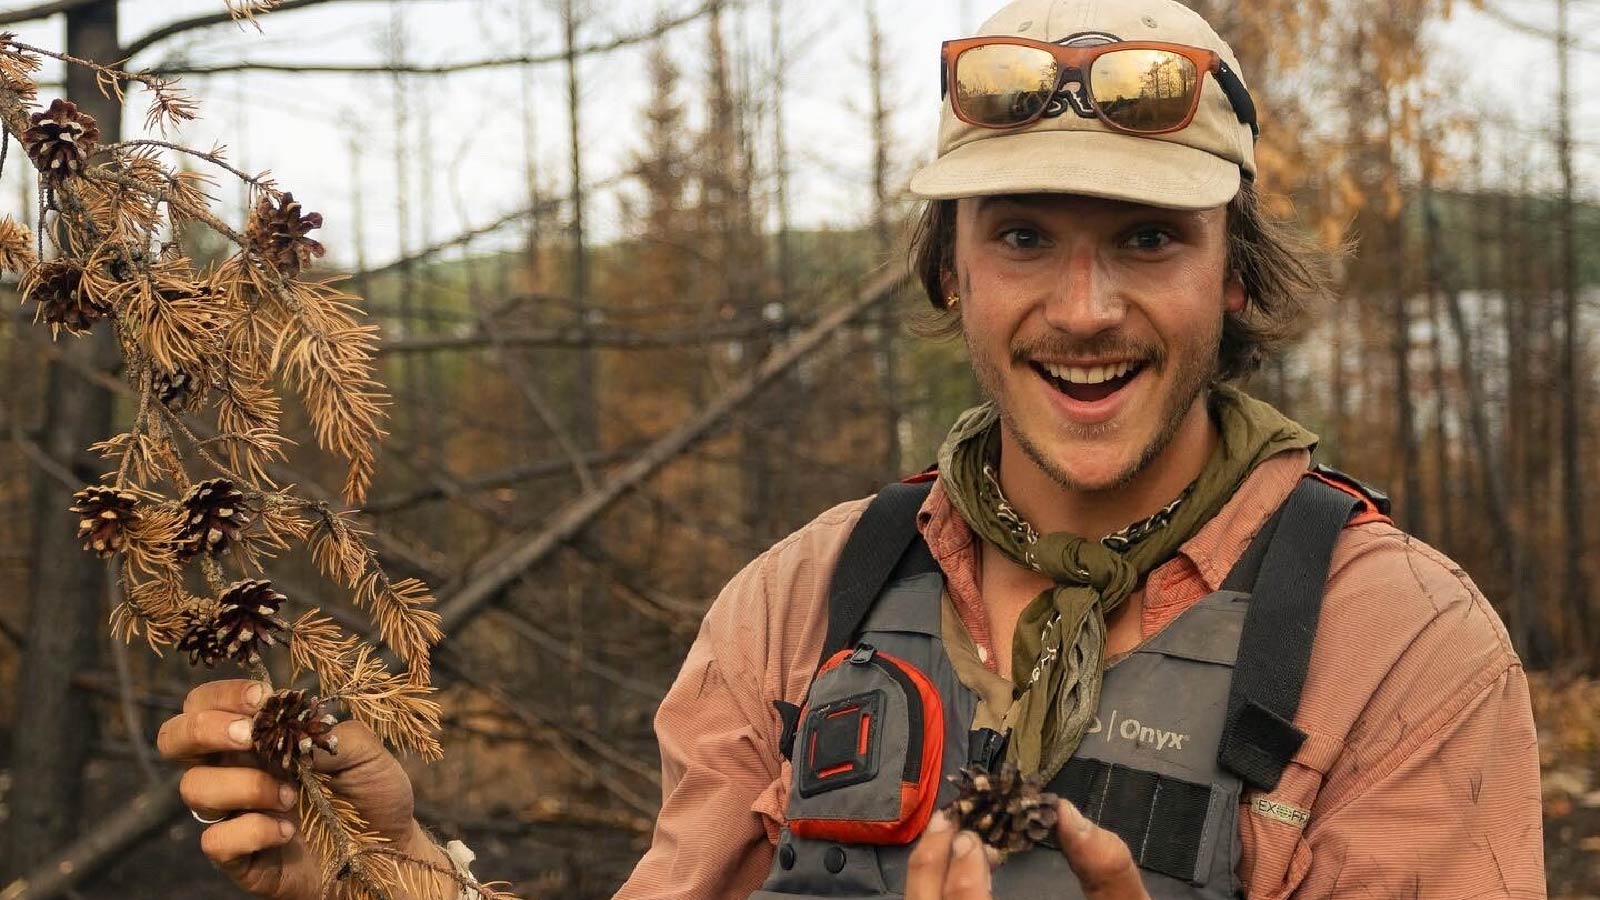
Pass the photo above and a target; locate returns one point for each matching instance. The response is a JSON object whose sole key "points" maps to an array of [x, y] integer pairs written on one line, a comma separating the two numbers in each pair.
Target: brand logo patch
{"points": [[1138, 733], [1278, 811]]}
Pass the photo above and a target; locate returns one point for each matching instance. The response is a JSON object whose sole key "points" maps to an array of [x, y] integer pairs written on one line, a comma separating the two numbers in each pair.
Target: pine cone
{"points": [[248, 619], [214, 515], [179, 391], [60, 140], [289, 724], [278, 235], [57, 287], [106, 512], [1010, 812], [199, 640]]}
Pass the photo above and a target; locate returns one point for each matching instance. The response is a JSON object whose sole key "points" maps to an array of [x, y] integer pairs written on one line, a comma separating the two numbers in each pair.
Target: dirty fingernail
{"points": [[239, 731], [286, 796], [966, 842], [286, 828], [254, 694], [939, 823]]}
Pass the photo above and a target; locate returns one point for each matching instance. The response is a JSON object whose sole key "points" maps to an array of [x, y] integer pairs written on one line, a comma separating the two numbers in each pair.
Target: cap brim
{"points": [[1092, 163]]}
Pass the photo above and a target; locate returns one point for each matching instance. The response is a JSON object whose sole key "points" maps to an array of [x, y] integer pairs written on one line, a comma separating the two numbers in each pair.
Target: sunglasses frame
{"points": [[1081, 60]]}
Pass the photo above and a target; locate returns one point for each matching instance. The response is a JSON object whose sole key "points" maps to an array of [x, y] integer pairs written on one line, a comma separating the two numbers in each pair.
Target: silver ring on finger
{"points": [[204, 821]]}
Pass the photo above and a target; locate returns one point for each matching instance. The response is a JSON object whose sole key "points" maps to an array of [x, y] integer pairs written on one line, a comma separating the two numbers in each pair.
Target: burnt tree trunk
{"points": [[55, 724]]}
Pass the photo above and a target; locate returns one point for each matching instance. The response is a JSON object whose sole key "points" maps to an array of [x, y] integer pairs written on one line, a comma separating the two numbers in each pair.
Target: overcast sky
{"points": [[304, 126]]}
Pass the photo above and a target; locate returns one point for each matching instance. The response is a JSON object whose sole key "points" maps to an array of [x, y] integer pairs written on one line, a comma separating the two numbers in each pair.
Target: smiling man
{"points": [[1125, 579], [1126, 576]]}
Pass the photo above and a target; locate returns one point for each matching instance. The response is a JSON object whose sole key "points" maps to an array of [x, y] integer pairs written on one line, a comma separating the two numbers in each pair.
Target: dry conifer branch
{"points": [[224, 341]]}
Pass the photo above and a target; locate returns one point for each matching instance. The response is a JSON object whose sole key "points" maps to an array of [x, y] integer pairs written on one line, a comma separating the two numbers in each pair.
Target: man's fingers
{"points": [[947, 866], [235, 695], [229, 844], [929, 859], [206, 731], [1101, 860], [968, 875], [210, 789]]}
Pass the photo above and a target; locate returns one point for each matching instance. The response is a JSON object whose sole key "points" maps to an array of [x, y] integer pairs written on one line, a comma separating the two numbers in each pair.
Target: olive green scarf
{"points": [[1059, 648]]}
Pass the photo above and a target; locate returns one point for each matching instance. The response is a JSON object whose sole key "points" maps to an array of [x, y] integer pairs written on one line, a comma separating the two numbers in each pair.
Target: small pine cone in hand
{"points": [[57, 287], [107, 513], [214, 515], [246, 621], [288, 726], [1009, 811], [277, 233], [60, 139]]}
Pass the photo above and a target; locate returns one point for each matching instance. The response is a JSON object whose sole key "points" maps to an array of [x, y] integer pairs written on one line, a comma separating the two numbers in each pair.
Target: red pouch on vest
{"points": [[868, 752]]}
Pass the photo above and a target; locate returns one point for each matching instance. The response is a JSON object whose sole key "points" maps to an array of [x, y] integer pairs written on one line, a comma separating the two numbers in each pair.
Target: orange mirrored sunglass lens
{"points": [[1004, 84], [1144, 90]]}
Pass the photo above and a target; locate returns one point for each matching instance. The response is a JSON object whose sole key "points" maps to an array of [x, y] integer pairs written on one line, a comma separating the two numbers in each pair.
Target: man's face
{"points": [[1093, 324]]}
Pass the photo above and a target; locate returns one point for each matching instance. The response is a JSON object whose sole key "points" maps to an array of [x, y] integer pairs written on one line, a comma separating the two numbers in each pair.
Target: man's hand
{"points": [[950, 866], [258, 846]]}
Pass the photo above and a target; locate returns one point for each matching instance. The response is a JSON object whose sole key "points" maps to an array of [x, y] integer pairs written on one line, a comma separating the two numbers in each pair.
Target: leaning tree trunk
{"points": [[55, 724]]}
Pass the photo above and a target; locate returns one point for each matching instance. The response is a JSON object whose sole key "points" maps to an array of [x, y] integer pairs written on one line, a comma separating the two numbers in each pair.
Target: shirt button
{"points": [[983, 654]]}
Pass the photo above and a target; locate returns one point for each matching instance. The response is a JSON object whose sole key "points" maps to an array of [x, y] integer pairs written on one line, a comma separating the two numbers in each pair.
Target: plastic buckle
{"points": [[863, 655]]}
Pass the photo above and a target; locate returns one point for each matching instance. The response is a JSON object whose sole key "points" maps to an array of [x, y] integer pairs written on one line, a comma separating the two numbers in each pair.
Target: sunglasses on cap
{"points": [[1134, 87]]}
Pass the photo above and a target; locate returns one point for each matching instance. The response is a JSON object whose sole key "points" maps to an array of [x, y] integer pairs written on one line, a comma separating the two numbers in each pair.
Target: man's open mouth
{"points": [[1089, 384]]}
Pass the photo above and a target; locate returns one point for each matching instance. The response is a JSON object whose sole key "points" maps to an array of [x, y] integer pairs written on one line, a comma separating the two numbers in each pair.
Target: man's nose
{"points": [[1084, 300]]}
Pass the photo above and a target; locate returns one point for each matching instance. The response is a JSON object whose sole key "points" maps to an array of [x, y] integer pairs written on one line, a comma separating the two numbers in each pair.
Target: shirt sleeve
{"points": [[1457, 816], [721, 773], [1421, 769]]}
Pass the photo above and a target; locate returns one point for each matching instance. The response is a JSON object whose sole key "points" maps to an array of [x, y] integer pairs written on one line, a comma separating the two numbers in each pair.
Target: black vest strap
{"points": [[870, 556], [1280, 626]]}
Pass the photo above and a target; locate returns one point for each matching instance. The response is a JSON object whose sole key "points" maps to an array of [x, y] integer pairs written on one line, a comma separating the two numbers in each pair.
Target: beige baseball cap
{"points": [[1198, 167]]}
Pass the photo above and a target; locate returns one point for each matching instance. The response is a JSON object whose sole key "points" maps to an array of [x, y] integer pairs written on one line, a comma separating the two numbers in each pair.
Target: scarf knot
{"points": [[1059, 646]]}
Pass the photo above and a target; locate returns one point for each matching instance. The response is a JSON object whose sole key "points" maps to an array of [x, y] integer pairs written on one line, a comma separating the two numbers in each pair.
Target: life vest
{"points": [[1186, 723]]}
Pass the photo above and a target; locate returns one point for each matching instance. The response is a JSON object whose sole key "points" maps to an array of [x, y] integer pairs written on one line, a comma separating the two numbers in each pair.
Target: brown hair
{"points": [[1286, 274]]}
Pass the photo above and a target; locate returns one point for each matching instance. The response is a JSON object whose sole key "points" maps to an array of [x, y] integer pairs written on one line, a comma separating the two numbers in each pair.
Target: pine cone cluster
{"points": [[60, 139], [57, 288], [288, 726], [107, 513], [246, 621], [277, 233], [214, 515], [1009, 811]]}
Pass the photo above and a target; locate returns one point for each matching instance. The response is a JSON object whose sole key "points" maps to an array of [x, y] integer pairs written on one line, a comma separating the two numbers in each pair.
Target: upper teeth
{"points": [[1096, 375]]}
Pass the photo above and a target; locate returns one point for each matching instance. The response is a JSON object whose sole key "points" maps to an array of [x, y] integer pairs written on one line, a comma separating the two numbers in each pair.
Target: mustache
{"points": [[1099, 346]]}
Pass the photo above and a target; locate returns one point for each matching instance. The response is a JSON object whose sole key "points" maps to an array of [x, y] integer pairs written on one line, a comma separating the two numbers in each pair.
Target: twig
{"points": [[214, 158]]}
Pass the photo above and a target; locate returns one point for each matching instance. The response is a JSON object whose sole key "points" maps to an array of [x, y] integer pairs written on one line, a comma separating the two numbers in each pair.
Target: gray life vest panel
{"points": [[1175, 742]]}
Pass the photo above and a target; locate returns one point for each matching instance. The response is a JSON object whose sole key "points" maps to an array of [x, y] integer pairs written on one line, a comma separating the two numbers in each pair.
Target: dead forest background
{"points": [[598, 420]]}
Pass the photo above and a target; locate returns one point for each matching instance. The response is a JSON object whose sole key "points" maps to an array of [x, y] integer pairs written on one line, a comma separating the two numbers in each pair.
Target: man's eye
{"points": [[1022, 238], [1150, 238]]}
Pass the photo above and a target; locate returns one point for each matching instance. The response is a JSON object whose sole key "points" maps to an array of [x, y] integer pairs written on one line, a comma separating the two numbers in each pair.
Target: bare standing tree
{"points": [[55, 725]]}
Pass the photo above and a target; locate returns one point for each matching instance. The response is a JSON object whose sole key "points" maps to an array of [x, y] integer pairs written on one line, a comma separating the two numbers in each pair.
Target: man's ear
{"points": [[1233, 293]]}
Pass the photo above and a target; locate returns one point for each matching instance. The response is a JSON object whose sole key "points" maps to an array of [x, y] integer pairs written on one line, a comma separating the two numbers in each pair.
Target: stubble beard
{"points": [[1193, 375]]}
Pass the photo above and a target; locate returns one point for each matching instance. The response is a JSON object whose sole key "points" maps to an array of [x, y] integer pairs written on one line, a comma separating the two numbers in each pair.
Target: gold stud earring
{"points": [[952, 302]]}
